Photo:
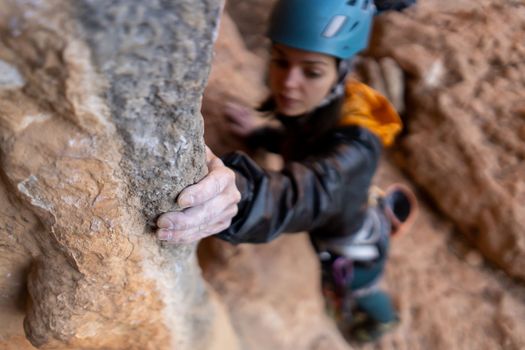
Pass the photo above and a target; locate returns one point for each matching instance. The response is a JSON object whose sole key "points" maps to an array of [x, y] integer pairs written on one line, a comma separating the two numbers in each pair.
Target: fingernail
{"points": [[164, 223], [186, 201], [164, 235]]}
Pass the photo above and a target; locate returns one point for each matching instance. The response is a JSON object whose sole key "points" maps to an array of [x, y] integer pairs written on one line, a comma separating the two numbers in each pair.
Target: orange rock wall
{"points": [[80, 267]]}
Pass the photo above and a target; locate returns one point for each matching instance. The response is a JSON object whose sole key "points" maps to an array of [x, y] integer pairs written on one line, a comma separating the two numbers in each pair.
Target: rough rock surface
{"points": [[98, 282], [465, 145], [251, 17], [99, 130], [448, 295], [236, 75], [154, 95]]}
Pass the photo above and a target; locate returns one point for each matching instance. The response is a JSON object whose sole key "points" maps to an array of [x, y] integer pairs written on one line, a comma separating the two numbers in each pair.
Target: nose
{"points": [[292, 78]]}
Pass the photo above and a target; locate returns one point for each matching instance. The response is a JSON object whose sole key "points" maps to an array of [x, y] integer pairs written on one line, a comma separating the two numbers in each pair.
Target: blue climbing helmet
{"points": [[339, 28]]}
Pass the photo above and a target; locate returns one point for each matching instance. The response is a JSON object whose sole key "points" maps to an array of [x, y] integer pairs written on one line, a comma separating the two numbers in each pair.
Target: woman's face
{"points": [[300, 80]]}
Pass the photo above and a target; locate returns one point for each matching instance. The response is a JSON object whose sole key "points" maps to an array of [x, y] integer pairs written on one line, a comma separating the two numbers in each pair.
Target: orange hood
{"points": [[366, 107]]}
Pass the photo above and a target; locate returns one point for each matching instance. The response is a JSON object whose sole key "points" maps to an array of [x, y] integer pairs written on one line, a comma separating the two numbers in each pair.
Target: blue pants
{"points": [[357, 283]]}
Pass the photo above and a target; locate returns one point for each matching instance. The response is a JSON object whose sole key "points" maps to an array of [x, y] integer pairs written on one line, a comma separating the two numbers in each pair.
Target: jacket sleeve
{"points": [[301, 196]]}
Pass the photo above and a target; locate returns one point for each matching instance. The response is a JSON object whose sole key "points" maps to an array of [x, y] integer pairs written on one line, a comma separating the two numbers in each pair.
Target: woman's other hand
{"points": [[209, 206], [241, 120]]}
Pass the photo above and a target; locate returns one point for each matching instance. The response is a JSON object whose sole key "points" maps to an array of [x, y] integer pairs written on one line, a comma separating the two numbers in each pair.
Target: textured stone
{"points": [[236, 75], [9, 76], [126, 292], [97, 137], [446, 298], [251, 16], [144, 50], [465, 76]]}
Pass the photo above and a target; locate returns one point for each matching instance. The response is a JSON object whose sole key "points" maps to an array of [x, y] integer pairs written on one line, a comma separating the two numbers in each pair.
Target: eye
{"points": [[312, 73]]}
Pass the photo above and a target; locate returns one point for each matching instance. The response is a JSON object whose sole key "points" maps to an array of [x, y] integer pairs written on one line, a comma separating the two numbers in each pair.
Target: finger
{"points": [[234, 107], [237, 113], [216, 163], [209, 154], [218, 209], [193, 234], [234, 120], [209, 187], [190, 235], [230, 105], [178, 229], [238, 129], [220, 206]]}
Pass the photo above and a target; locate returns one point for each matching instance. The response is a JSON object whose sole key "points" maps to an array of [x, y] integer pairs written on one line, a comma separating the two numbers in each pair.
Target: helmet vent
{"points": [[356, 23], [365, 4], [334, 26], [351, 2]]}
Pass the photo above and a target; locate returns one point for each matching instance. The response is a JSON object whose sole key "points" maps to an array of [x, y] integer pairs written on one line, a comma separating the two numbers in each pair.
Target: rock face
{"points": [[153, 93], [99, 130], [465, 143], [78, 182], [447, 297], [237, 75], [251, 17]]}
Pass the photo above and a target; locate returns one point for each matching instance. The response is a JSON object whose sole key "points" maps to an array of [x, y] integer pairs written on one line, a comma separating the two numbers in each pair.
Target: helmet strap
{"points": [[343, 68]]}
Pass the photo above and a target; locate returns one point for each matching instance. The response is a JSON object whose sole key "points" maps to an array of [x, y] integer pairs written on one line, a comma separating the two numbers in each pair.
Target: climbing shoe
{"points": [[365, 329]]}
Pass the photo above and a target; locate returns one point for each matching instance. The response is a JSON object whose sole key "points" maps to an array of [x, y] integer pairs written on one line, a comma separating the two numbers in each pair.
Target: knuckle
{"points": [[218, 186], [176, 237], [186, 222], [181, 224], [230, 173], [214, 187], [215, 163], [225, 173], [225, 179], [237, 196], [233, 211], [224, 225], [233, 197]]}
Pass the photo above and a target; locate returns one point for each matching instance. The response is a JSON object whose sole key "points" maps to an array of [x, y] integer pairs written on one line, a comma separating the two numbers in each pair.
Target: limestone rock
{"points": [[236, 75], [273, 293], [465, 75], [251, 17], [99, 130], [444, 300], [72, 214]]}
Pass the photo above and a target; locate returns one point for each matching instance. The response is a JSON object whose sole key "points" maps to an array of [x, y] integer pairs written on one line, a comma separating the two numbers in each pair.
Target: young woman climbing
{"points": [[330, 133]]}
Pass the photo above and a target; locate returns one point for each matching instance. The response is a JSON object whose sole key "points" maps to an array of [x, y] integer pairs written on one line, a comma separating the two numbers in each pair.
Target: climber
{"points": [[330, 134]]}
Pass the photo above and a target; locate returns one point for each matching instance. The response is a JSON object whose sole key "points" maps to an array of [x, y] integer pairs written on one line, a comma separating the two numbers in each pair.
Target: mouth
{"points": [[287, 101]]}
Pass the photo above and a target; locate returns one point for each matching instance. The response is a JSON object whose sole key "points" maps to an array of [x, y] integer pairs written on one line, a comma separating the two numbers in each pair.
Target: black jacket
{"points": [[323, 187]]}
